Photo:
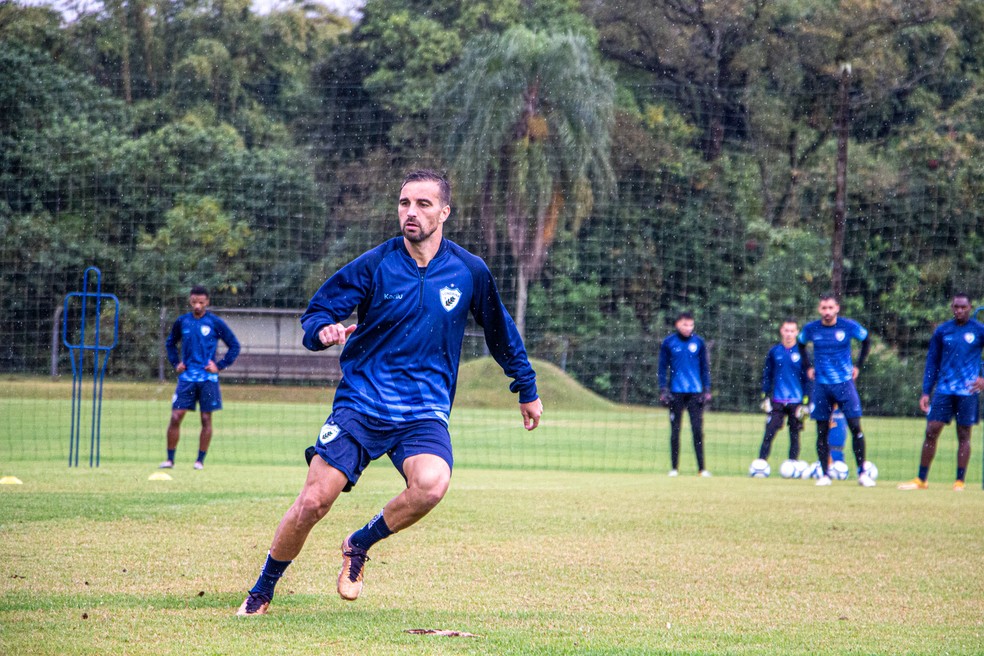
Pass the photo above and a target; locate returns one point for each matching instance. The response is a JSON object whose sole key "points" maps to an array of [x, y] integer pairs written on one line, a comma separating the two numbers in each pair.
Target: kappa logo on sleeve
{"points": [[450, 297]]}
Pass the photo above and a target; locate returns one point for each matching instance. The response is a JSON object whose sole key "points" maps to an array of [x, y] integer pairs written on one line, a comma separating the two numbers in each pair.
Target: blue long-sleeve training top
{"points": [[401, 363], [953, 362], [832, 349], [784, 376], [684, 364], [199, 339]]}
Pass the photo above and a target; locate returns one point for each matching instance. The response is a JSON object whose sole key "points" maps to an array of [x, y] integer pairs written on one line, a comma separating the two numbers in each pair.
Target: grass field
{"points": [[569, 540]]}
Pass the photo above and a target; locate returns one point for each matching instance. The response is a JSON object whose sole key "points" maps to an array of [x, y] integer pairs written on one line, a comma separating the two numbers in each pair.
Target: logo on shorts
{"points": [[840, 335], [450, 297], [692, 348], [206, 330], [969, 338], [795, 357], [329, 432]]}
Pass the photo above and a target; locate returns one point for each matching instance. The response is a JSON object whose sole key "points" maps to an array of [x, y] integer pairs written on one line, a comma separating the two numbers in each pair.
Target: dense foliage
{"points": [[616, 162]]}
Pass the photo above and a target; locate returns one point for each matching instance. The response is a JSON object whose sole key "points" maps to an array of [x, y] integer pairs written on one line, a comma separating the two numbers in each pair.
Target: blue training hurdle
{"points": [[79, 344]]}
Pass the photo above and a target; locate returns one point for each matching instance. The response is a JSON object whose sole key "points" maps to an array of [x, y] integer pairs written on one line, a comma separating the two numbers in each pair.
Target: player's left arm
{"points": [[228, 337], [863, 355], [531, 413], [806, 366], [504, 342], [705, 370]]}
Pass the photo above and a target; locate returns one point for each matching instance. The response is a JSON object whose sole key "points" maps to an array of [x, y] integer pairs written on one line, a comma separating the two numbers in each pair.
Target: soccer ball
{"points": [[759, 469], [870, 469], [792, 468], [814, 471], [838, 470]]}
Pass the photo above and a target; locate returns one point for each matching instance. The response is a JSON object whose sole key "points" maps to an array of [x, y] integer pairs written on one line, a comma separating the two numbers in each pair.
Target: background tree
{"points": [[529, 140]]}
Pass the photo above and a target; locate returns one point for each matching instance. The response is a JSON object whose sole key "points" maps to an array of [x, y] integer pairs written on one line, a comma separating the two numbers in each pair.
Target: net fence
{"points": [[261, 211]]}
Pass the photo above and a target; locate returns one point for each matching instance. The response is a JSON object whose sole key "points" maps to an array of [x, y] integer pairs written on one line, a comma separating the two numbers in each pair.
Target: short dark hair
{"points": [[957, 295], [686, 314], [830, 296], [428, 175], [789, 320], [198, 290]]}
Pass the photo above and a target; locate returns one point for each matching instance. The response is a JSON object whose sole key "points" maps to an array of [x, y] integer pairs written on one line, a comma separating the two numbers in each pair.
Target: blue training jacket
{"points": [[684, 365], [953, 362], [832, 348], [784, 376], [199, 338], [401, 363]]}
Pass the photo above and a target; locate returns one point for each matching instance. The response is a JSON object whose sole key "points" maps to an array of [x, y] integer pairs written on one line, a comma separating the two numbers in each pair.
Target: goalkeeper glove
{"points": [[766, 404], [805, 409]]}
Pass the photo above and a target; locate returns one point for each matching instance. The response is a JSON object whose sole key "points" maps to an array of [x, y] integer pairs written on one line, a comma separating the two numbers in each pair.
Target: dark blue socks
{"points": [[371, 533], [201, 456], [273, 569]]}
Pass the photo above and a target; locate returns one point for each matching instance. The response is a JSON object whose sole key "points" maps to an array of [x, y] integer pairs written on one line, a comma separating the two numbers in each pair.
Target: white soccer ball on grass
{"points": [[870, 469], [814, 471], [759, 468], [792, 468], [838, 470]]}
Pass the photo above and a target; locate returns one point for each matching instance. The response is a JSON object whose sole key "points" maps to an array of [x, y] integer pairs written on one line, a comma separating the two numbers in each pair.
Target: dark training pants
{"points": [[780, 411], [694, 405]]}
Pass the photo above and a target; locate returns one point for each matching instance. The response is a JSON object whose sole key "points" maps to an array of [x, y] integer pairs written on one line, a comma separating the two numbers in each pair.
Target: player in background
{"points": [[414, 294], [785, 389], [198, 332], [684, 372], [953, 378], [834, 374]]}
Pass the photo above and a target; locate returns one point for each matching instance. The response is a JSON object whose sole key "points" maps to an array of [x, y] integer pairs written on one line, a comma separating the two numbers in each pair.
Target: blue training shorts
{"points": [[845, 395], [205, 392], [349, 441], [945, 407]]}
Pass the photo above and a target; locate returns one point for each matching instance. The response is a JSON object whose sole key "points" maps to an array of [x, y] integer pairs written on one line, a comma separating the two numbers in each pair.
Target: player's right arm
{"points": [[663, 367], [768, 373], [171, 346], [933, 359], [335, 334], [335, 301]]}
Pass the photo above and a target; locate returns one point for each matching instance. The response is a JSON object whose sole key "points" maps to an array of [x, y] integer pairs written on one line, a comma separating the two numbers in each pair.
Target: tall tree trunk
{"points": [[522, 295], [145, 32], [840, 192], [120, 10]]}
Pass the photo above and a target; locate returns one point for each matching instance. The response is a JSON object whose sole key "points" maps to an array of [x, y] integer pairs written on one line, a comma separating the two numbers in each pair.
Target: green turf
{"points": [[107, 561], [567, 540]]}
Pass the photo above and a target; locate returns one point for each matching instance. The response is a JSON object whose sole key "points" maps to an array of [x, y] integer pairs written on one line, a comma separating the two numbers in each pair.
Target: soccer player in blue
{"points": [[198, 332], [785, 388], [953, 378], [684, 373], [834, 374], [414, 294]]}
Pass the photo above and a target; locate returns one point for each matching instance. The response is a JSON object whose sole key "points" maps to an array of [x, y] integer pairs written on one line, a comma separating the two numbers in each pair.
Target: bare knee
{"points": [[309, 509], [426, 492]]}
